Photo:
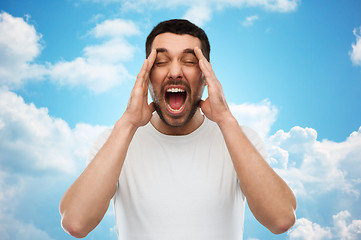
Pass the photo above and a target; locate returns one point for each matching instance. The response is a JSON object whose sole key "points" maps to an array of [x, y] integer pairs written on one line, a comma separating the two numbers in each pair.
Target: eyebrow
{"points": [[187, 50], [161, 50]]}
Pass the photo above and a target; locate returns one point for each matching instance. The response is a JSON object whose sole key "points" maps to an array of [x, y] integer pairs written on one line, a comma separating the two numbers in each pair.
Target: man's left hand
{"points": [[215, 107]]}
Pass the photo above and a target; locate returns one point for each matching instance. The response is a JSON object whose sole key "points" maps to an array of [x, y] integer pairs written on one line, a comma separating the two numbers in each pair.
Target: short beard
{"points": [[157, 99], [190, 116]]}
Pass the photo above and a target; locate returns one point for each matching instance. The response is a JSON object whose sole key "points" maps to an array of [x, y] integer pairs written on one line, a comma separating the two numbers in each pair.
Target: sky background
{"points": [[290, 69]]}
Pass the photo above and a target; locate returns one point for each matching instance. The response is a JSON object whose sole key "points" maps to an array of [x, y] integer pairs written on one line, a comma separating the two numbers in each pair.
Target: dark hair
{"points": [[179, 26]]}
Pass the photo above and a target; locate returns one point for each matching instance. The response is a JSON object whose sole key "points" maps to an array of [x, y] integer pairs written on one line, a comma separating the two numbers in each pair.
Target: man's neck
{"points": [[188, 128]]}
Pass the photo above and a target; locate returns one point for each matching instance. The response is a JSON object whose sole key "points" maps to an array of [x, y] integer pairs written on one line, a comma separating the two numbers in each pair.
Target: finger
{"points": [[141, 74], [151, 106], [146, 77], [202, 58], [150, 62], [201, 103], [205, 66], [204, 105], [152, 57], [199, 54]]}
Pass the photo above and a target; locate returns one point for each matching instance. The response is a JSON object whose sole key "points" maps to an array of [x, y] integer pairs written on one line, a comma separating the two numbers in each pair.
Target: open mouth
{"points": [[175, 98]]}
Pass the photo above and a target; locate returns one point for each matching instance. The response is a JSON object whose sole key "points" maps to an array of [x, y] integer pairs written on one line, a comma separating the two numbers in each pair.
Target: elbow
{"points": [[283, 223], [285, 219], [74, 228]]}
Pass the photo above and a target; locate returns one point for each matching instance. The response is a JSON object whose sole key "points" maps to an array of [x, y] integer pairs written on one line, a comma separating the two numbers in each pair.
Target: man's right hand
{"points": [[86, 201], [138, 112]]}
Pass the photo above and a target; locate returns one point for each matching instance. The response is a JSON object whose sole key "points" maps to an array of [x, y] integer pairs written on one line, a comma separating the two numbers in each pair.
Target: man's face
{"points": [[176, 81]]}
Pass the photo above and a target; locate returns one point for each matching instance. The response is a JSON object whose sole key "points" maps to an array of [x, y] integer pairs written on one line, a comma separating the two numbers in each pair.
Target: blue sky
{"points": [[290, 69]]}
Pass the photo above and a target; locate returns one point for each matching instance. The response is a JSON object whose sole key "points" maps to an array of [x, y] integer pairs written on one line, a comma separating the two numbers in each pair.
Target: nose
{"points": [[175, 70]]}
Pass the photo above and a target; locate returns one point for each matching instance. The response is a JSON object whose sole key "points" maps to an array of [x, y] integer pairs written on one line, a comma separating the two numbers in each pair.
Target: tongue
{"points": [[176, 100]]}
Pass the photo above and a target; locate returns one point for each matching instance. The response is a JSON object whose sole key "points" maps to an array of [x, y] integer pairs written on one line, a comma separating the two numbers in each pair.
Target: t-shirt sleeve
{"points": [[256, 140], [98, 144]]}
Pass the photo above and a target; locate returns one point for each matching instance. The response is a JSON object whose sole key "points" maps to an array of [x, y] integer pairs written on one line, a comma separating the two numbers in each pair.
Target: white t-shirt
{"points": [[179, 187]]}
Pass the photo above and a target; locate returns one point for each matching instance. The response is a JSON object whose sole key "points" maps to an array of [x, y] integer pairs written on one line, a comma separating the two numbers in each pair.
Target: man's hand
{"points": [[138, 112], [256, 177], [84, 204], [215, 106]]}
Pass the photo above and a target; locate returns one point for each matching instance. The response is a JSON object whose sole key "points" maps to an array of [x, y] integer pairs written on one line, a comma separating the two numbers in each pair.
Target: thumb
{"points": [[203, 105], [200, 103], [151, 106]]}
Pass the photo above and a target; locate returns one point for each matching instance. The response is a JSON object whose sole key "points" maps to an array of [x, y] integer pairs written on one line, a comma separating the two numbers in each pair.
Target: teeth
{"points": [[176, 110], [175, 90]]}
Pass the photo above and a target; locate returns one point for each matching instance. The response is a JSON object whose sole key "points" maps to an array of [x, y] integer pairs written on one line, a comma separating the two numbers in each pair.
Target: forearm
{"points": [[86, 201], [269, 198]]}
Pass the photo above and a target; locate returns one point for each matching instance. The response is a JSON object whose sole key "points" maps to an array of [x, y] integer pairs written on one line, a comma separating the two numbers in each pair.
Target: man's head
{"points": [[176, 80], [180, 27]]}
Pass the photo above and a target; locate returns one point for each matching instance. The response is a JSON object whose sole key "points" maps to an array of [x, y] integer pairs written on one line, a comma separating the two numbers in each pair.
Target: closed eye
{"points": [[189, 59], [160, 63], [190, 62]]}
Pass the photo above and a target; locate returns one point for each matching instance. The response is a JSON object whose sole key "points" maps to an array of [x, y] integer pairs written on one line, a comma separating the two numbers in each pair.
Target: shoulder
{"points": [[98, 144], [255, 139], [251, 134]]}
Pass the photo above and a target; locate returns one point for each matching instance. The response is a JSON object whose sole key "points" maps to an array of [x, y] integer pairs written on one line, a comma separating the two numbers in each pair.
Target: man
{"points": [[177, 173]]}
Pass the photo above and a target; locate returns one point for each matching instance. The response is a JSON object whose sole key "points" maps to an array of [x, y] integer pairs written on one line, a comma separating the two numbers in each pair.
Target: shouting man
{"points": [[179, 167]]}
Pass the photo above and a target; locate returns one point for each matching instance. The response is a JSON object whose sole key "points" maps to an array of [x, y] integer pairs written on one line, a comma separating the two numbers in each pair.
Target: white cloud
{"points": [[99, 69], [314, 167], [112, 51], [19, 40], [279, 5], [20, 44], [355, 54], [39, 154], [33, 142], [346, 231], [200, 11], [250, 20], [199, 14], [271, 5], [116, 28], [13, 229], [96, 76], [258, 116], [304, 229]]}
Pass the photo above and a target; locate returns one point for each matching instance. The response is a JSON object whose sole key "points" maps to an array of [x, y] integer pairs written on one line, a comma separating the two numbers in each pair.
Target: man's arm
{"points": [[269, 198], [86, 201]]}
